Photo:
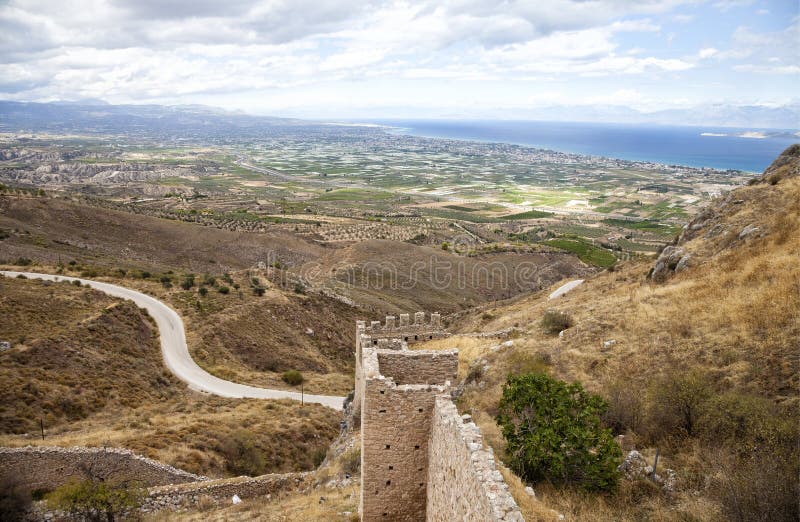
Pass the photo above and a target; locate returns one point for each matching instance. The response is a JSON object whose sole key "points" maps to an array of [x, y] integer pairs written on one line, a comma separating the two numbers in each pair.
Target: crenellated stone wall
{"points": [[420, 460], [404, 327]]}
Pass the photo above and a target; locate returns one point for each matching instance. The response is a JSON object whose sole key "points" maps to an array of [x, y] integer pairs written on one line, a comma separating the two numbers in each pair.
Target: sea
{"points": [[750, 150]]}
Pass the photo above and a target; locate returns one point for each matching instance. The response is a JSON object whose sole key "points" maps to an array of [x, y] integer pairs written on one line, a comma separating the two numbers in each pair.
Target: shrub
{"points": [[188, 282], [351, 461], [242, 455], [89, 272], [223, 290], [209, 280], [15, 499], [554, 321], [22, 261], [299, 288], [318, 457], [95, 500], [625, 406], [676, 402], [292, 377], [553, 432], [258, 290], [761, 486], [203, 291]]}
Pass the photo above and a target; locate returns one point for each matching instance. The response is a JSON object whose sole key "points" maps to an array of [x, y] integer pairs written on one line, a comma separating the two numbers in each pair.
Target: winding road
{"points": [[176, 353]]}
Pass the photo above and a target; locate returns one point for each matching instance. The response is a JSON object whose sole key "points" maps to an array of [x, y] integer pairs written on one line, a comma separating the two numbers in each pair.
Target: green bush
{"points": [[554, 433], [188, 282], [292, 377], [203, 291], [22, 261], [554, 321], [223, 290], [95, 500], [258, 290]]}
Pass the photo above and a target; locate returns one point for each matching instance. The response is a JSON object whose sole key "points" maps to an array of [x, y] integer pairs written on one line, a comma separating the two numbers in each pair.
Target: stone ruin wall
{"points": [[463, 482], [219, 492], [418, 366], [420, 460], [46, 468]]}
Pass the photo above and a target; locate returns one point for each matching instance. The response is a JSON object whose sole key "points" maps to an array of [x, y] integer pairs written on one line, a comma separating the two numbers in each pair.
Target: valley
{"points": [[270, 245]]}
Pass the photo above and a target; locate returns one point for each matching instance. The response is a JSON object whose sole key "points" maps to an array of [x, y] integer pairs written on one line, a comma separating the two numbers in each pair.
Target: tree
{"points": [[292, 377], [677, 400], [553, 432]]}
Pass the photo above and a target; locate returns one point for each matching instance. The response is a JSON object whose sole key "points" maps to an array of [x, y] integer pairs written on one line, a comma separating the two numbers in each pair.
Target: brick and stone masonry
{"points": [[420, 460]]}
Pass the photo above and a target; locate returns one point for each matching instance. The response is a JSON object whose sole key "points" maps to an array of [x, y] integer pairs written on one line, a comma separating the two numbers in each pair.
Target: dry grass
{"points": [[91, 369], [733, 316]]}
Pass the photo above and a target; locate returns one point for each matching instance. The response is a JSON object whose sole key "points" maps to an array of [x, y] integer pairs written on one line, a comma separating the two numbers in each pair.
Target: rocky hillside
{"points": [[761, 209], [700, 360]]}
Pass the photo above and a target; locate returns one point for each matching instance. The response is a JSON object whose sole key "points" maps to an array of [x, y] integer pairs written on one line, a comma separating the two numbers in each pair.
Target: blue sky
{"points": [[345, 58]]}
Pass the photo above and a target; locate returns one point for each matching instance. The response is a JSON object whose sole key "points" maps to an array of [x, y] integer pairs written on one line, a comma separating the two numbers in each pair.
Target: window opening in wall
{"points": [[381, 411], [388, 482], [430, 337], [416, 446], [391, 467], [419, 410], [387, 446], [416, 337], [383, 392]]}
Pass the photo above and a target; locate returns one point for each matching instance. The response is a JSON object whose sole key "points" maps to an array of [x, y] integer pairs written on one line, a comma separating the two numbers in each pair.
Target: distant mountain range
{"points": [[721, 115], [101, 117]]}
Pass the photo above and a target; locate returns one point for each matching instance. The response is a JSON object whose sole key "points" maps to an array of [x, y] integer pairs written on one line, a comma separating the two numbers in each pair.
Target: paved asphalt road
{"points": [[565, 288], [176, 353]]}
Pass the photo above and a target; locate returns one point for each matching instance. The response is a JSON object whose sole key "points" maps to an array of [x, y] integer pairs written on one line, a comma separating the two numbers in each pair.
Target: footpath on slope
{"points": [[176, 353]]}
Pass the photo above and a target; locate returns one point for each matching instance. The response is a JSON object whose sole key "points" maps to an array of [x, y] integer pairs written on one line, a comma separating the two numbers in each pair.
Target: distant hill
{"points": [[97, 117]]}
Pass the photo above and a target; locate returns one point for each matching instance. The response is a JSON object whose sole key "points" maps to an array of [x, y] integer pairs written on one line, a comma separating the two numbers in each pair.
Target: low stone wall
{"points": [[463, 482], [419, 366], [43, 467], [221, 492]]}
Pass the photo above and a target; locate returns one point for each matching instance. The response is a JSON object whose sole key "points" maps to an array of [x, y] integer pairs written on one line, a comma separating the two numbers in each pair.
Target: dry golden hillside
{"points": [[726, 325], [89, 367]]}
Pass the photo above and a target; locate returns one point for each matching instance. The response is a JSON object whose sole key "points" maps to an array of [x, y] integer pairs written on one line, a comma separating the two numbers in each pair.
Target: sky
{"points": [[348, 58]]}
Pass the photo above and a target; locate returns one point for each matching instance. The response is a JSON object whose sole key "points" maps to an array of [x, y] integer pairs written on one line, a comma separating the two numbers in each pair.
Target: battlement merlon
{"points": [[418, 330]]}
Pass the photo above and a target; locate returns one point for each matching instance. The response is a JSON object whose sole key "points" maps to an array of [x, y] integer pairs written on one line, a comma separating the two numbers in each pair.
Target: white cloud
{"points": [[707, 52], [143, 50]]}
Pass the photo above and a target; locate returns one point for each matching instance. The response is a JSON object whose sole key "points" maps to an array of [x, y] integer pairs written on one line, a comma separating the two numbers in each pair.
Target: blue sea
{"points": [[717, 147]]}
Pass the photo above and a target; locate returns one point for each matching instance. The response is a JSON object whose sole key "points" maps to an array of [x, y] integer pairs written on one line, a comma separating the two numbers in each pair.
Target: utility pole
{"points": [[655, 465]]}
